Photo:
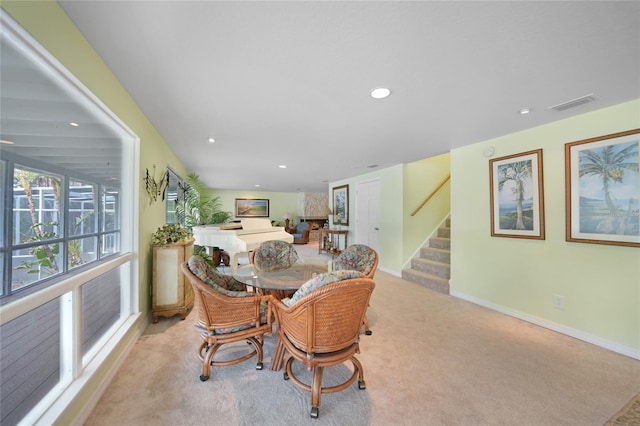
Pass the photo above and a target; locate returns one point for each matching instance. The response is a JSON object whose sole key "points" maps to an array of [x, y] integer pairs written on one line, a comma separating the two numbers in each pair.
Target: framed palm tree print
{"points": [[603, 189], [517, 198]]}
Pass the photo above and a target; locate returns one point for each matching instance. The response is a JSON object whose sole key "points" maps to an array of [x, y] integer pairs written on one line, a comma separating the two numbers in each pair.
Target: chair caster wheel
{"points": [[361, 385], [285, 376], [203, 378], [315, 412], [259, 366], [368, 332]]}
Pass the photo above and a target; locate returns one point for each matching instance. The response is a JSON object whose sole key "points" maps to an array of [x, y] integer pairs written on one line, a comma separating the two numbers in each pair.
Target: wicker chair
{"points": [[226, 316], [361, 258], [273, 255], [320, 327]]}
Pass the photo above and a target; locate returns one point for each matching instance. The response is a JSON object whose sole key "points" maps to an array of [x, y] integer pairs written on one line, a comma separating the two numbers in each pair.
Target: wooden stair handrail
{"points": [[434, 192]]}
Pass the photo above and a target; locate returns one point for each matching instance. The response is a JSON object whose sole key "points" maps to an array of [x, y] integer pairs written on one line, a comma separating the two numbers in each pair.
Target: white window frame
{"points": [[76, 370]]}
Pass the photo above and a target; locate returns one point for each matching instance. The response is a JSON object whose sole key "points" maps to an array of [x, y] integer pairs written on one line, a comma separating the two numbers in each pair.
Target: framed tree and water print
{"points": [[517, 198], [341, 205], [603, 189]]}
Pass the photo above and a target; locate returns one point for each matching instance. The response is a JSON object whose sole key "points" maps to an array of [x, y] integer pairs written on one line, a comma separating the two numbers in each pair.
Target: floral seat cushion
{"points": [[274, 255], [320, 281], [224, 284], [358, 257]]}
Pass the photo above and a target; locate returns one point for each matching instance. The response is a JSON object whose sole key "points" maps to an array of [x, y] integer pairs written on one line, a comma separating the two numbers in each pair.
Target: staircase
{"points": [[431, 268]]}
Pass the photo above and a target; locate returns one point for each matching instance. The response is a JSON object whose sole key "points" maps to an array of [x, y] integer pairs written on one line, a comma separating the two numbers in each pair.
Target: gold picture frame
{"points": [[341, 205], [602, 189], [517, 196]]}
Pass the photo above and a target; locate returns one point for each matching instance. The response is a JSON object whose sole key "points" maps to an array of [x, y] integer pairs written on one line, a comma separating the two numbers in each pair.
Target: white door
{"points": [[368, 214]]}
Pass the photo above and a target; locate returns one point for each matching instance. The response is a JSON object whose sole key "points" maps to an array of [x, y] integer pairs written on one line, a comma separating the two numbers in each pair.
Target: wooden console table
{"points": [[331, 241]]}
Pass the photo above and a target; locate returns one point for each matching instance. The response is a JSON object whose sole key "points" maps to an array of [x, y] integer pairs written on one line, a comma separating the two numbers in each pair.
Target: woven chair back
{"points": [[327, 319], [358, 257], [274, 255], [218, 311]]}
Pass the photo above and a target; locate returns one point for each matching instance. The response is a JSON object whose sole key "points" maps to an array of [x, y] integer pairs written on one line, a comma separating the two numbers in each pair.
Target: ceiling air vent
{"points": [[575, 102]]}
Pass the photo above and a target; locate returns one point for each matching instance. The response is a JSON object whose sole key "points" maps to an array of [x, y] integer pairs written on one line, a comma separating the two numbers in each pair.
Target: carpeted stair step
{"points": [[436, 254], [439, 269], [440, 242], [427, 280], [444, 232], [431, 268]]}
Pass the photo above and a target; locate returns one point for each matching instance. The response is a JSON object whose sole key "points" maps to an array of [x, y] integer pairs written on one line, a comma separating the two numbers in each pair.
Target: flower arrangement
{"points": [[170, 233]]}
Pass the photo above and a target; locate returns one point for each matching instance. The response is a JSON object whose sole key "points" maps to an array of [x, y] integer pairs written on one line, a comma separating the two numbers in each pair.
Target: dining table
{"points": [[280, 281]]}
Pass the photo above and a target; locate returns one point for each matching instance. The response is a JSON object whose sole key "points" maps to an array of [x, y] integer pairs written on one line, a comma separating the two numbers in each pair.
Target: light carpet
{"points": [[432, 359]]}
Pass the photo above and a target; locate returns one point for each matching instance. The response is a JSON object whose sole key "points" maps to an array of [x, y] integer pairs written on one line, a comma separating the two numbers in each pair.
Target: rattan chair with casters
{"points": [[273, 255], [226, 316], [359, 257], [320, 327]]}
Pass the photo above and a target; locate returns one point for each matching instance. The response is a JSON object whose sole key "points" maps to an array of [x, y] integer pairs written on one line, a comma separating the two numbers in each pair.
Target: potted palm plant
{"points": [[197, 206]]}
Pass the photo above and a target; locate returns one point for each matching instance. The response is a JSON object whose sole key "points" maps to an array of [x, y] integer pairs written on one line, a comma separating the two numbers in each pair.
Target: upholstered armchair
{"points": [[319, 326], [358, 257], [226, 314], [300, 233]]}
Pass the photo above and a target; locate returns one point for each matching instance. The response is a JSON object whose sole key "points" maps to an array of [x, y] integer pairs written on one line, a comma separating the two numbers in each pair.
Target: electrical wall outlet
{"points": [[559, 302]]}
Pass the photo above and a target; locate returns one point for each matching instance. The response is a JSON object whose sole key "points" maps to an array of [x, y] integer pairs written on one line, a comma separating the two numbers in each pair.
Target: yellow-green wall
{"points": [[421, 178], [600, 283], [391, 213], [402, 189], [280, 203]]}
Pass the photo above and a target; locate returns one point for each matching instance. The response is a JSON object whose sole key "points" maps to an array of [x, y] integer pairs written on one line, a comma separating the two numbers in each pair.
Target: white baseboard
{"points": [[586, 337], [391, 272]]}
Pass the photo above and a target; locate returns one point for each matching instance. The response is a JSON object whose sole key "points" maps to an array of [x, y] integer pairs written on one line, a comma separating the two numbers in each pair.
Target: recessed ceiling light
{"points": [[212, 140], [256, 186], [380, 93], [523, 111], [282, 166], [74, 124]]}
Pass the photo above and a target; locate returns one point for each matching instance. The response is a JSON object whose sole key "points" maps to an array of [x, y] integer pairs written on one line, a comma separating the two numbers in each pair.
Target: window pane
{"points": [[172, 197], [110, 244], [82, 218], [36, 206], [100, 307], [30, 361], [2, 259], [82, 250], [34, 264], [110, 209], [2, 185]]}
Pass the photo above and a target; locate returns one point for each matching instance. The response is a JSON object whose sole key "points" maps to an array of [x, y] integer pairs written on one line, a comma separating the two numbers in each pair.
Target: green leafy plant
{"points": [[197, 207], [46, 255], [202, 252], [171, 233]]}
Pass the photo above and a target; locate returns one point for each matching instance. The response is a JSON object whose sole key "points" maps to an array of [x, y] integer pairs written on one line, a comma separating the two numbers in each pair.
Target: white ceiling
{"points": [[288, 82]]}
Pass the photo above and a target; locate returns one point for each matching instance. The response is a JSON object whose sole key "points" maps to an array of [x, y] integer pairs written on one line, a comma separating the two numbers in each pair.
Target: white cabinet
{"points": [[171, 294]]}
